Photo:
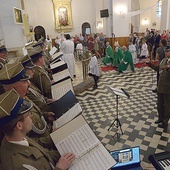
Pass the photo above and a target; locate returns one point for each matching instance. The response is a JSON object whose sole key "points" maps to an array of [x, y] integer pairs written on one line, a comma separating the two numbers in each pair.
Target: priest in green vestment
{"points": [[108, 59], [127, 61], [118, 55]]}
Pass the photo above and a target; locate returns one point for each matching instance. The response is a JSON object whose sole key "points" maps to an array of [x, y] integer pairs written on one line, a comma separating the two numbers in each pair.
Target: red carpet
{"points": [[137, 65]]}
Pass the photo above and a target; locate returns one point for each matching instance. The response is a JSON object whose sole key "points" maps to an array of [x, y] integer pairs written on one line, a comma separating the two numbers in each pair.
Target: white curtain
{"points": [[137, 12]]}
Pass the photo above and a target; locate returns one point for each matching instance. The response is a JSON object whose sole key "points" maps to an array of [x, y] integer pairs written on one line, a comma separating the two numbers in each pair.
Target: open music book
{"points": [[69, 115], [65, 109], [57, 55], [58, 67], [61, 75], [77, 137], [60, 88], [53, 50]]}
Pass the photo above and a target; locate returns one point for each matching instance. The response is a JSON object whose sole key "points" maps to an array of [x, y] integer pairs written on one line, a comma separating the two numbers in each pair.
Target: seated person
{"points": [[108, 59], [19, 151], [40, 79], [35, 94], [13, 76], [127, 61]]}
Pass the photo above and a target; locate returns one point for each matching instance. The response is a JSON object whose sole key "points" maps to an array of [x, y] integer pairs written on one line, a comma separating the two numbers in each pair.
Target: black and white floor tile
{"points": [[137, 114]]}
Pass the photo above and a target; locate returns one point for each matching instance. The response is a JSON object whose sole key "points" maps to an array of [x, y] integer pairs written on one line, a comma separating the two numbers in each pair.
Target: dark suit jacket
{"points": [[164, 77]]}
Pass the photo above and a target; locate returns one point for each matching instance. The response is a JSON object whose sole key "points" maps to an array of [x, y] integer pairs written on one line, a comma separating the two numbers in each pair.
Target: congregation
{"points": [[26, 120]]}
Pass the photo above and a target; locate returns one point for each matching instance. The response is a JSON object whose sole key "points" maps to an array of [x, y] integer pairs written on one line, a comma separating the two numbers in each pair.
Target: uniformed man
{"points": [[40, 78], [34, 93], [163, 104], [12, 76], [47, 57], [3, 60], [3, 55], [19, 151]]}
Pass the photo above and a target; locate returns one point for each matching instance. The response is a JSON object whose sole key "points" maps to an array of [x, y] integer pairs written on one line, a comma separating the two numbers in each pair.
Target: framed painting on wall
{"points": [[63, 15], [18, 16]]}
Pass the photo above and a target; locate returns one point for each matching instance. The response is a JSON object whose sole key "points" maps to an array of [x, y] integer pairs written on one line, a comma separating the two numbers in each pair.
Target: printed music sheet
{"points": [[56, 55], [77, 137], [69, 115], [53, 50], [118, 92], [57, 64], [60, 75], [59, 89]]}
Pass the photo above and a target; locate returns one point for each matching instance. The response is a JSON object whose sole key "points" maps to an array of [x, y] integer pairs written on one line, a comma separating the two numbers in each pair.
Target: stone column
{"points": [[165, 16]]}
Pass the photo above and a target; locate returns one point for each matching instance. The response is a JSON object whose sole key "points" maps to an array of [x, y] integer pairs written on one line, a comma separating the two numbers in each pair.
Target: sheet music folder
{"points": [[77, 137], [56, 59], [120, 92], [62, 105]]}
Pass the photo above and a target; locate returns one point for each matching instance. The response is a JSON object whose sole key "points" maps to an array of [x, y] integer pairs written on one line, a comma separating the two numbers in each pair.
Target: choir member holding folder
{"points": [[40, 78]]}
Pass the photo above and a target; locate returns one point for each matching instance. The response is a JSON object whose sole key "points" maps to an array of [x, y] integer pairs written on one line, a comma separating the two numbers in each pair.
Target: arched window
{"points": [[158, 8], [86, 28]]}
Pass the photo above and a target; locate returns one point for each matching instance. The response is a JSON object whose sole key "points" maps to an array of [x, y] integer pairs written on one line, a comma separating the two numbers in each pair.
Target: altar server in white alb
{"points": [[94, 70], [132, 49], [67, 47]]}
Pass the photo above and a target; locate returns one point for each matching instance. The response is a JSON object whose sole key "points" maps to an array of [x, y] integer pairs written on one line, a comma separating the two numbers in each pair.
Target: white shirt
{"points": [[144, 50], [93, 66]]}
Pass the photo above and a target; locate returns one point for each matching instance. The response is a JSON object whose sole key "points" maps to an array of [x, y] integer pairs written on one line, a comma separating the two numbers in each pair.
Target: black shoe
{"points": [[154, 91], [158, 121], [74, 75], [163, 125], [95, 87]]}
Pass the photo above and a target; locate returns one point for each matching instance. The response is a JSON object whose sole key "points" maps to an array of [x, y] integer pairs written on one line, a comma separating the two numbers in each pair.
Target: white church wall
{"points": [[11, 32], [150, 15], [42, 14]]}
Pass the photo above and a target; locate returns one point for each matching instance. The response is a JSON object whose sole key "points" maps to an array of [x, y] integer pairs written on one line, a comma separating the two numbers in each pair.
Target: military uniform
{"points": [[163, 105], [2, 63], [21, 153], [36, 96], [41, 130], [20, 157], [12, 73], [42, 81]]}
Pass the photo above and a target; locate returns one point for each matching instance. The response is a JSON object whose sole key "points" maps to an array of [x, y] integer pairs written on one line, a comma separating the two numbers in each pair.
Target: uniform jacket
{"points": [[42, 81], [19, 157], [164, 78], [36, 96], [41, 130]]}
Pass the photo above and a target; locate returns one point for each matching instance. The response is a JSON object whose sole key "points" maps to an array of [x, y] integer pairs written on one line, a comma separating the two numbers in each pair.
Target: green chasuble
{"points": [[118, 57], [126, 61], [109, 55]]}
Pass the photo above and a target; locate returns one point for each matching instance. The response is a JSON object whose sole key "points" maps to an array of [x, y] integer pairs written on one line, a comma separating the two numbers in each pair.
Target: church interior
{"points": [[25, 21]]}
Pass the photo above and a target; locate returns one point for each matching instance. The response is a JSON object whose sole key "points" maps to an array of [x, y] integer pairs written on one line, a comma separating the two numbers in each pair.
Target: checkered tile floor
{"points": [[136, 114]]}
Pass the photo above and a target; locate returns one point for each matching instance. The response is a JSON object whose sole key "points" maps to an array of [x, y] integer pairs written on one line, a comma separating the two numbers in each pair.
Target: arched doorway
{"points": [[86, 28], [39, 32]]}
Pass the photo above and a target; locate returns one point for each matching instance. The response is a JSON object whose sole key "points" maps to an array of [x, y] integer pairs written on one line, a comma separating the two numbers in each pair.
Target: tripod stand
{"points": [[116, 121], [118, 93]]}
